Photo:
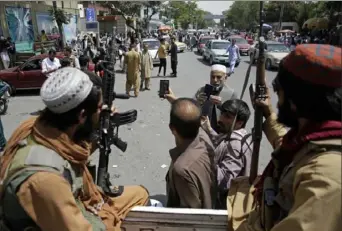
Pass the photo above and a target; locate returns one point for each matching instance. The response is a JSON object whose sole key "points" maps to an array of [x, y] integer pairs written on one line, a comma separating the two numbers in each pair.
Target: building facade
{"points": [[24, 21]]}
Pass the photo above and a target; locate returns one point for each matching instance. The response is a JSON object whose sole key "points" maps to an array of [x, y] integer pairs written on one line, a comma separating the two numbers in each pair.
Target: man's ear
{"points": [[82, 117], [238, 124]]}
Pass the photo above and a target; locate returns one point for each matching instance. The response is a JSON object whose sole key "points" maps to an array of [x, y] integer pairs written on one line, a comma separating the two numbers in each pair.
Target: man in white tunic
{"points": [[50, 64], [234, 55]]}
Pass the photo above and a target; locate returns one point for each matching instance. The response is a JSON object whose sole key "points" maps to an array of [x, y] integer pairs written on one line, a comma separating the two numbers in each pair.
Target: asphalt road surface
{"points": [[146, 160]]}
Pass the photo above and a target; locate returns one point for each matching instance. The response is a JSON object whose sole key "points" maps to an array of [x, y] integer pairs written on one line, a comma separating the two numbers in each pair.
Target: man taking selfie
{"points": [[209, 101]]}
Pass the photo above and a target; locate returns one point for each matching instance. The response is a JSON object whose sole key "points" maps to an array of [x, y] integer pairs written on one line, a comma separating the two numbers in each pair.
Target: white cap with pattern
{"points": [[219, 67], [66, 89]]}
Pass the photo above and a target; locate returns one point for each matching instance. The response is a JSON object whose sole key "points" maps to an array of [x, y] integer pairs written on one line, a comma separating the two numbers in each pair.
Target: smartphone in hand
{"points": [[208, 90], [163, 88]]}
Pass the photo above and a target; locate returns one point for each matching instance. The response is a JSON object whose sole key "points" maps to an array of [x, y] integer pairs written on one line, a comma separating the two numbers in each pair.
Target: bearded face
{"points": [[84, 131], [286, 115]]}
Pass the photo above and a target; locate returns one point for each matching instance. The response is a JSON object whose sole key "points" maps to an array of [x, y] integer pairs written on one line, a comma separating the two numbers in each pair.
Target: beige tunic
{"points": [[146, 65]]}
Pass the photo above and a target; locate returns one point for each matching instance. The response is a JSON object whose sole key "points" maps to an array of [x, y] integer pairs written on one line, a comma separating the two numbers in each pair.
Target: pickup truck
{"points": [[174, 219]]}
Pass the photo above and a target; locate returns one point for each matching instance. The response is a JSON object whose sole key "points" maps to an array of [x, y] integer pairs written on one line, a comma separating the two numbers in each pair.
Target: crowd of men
{"points": [[45, 182]]}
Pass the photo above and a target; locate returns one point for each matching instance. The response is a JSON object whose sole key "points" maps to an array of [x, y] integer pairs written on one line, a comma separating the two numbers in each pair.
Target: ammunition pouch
{"points": [[268, 206]]}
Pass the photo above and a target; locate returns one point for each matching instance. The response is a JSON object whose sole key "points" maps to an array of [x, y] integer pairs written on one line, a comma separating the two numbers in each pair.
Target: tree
{"points": [[60, 18], [129, 10], [155, 7], [183, 13], [242, 15]]}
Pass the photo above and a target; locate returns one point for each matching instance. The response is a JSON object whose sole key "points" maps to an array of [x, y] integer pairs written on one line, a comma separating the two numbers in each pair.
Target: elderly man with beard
{"points": [[302, 182], [233, 145], [45, 184], [221, 93]]}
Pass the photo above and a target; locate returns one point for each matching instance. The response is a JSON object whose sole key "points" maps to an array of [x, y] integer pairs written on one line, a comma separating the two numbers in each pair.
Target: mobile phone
{"points": [[163, 88], [208, 90]]}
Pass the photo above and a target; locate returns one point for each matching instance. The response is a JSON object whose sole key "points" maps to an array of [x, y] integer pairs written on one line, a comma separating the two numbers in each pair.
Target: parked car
{"points": [[202, 42], [29, 74], [241, 43], [274, 53], [216, 52], [153, 45]]}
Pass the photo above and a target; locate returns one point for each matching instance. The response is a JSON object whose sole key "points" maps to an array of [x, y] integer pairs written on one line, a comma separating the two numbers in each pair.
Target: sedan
{"points": [[28, 76], [241, 43], [274, 53], [202, 42], [153, 45]]}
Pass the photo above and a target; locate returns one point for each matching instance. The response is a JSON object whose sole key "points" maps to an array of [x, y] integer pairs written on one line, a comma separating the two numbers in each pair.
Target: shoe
{"points": [[146, 88], [142, 89], [158, 75]]}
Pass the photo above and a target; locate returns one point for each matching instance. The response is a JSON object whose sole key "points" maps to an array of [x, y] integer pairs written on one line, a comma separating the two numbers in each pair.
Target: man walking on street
{"points": [[234, 55], [133, 62], [174, 59], [146, 68]]}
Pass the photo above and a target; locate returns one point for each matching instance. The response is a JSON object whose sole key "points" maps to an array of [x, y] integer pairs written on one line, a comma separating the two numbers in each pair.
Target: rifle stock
{"points": [[260, 93]]}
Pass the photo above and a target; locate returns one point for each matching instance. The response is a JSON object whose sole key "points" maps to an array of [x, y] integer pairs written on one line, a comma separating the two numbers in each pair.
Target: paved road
{"points": [[146, 160]]}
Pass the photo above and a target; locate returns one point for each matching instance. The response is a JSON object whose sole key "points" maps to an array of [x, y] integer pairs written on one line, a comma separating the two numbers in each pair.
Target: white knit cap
{"points": [[67, 88], [219, 67]]}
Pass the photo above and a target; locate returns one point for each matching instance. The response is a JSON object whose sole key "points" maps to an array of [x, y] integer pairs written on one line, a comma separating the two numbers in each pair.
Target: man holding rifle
{"points": [[300, 189], [44, 181]]}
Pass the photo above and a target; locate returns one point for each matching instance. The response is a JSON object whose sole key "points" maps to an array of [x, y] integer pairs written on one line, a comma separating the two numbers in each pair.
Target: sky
{"points": [[215, 7]]}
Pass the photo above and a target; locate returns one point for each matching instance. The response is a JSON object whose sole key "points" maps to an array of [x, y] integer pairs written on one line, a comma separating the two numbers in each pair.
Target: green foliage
{"points": [[131, 9], [185, 13], [245, 15], [59, 16]]}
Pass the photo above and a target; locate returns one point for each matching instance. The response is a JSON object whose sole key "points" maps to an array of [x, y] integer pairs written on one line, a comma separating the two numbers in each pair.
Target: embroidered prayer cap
{"points": [[316, 64], [219, 67], [65, 89]]}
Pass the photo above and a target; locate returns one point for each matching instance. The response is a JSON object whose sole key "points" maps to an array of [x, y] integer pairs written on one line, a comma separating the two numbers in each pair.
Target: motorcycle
{"points": [[5, 93]]}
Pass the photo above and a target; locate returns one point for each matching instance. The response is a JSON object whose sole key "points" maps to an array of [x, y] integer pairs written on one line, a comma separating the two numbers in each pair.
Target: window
{"points": [[277, 48], [220, 45], [240, 41], [152, 45], [32, 65]]}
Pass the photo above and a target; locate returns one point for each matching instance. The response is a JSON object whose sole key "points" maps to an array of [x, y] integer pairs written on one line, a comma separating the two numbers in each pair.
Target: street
{"points": [[146, 160]]}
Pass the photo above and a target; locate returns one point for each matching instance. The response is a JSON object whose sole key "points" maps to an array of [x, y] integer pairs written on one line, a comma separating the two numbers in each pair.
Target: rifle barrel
{"points": [[260, 93]]}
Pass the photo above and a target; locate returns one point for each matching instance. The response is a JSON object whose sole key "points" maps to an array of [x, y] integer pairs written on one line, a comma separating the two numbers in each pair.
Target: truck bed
{"points": [[172, 219]]}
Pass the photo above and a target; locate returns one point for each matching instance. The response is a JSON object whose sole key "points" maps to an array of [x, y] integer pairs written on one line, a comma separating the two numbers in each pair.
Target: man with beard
{"points": [[221, 93], [74, 62], [50, 64], [233, 149], [45, 184], [302, 182]]}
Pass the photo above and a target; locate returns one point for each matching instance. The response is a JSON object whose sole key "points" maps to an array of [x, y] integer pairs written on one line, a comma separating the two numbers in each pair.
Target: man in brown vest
{"points": [[44, 181], [300, 188]]}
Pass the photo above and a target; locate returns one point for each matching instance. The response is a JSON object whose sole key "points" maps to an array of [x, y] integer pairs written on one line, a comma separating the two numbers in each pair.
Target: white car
{"points": [[153, 45], [274, 53]]}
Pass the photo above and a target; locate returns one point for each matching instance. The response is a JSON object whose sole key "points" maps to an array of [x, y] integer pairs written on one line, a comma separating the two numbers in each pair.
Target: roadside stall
{"points": [[164, 30]]}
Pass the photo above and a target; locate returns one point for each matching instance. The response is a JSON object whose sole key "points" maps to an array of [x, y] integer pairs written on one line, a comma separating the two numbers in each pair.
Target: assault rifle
{"points": [[258, 91], [110, 123]]}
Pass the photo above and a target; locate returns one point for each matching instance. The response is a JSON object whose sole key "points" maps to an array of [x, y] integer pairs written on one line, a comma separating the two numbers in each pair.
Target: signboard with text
{"points": [[90, 15]]}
